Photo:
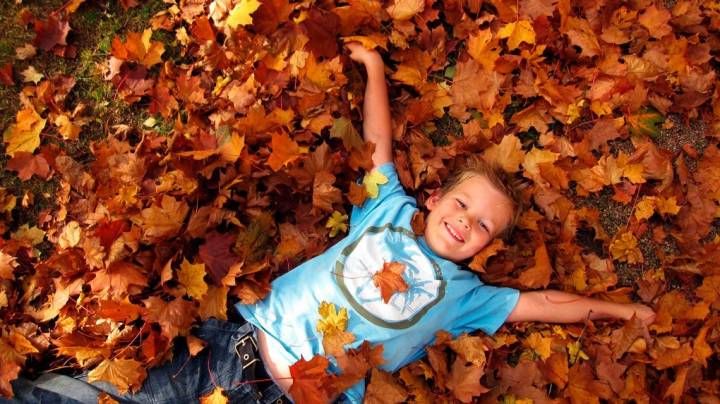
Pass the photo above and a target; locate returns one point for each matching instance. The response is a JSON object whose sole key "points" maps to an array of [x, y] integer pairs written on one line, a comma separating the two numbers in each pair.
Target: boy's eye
{"points": [[482, 225], [460, 203]]}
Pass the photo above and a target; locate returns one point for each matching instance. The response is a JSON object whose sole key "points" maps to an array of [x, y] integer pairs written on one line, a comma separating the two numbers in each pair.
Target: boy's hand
{"points": [[363, 55], [643, 312]]}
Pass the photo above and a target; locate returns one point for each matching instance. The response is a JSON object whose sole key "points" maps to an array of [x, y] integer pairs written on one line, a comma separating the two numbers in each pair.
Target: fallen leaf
{"points": [[390, 280]]}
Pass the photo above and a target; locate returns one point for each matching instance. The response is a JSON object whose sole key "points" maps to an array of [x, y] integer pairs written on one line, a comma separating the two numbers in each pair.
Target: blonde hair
{"points": [[503, 181]]}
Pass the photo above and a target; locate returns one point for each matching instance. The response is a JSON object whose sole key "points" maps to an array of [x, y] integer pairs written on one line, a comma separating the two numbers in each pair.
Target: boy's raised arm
{"points": [[377, 126], [553, 306]]}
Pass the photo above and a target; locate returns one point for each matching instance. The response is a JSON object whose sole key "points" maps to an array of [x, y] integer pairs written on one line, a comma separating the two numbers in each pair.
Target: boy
{"points": [[473, 208], [463, 219]]}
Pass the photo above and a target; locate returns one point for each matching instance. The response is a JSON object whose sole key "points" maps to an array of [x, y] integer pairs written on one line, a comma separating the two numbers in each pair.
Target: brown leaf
{"points": [[383, 389], [464, 380], [218, 257], [175, 317]]}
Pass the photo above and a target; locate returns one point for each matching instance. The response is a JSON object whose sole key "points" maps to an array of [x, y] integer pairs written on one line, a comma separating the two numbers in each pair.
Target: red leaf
{"points": [[51, 32], [216, 255], [322, 27], [28, 164], [6, 74], [311, 381], [110, 231]]}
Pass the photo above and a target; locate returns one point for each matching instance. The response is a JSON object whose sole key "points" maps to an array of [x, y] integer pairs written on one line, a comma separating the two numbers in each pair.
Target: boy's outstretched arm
{"points": [[377, 126], [553, 306]]}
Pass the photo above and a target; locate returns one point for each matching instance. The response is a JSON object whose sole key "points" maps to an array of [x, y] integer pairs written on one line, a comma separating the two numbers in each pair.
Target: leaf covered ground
{"points": [[166, 159]]}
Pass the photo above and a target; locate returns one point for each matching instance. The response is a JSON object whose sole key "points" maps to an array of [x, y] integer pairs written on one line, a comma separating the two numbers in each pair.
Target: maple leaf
{"points": [[483, 48], [24, 135], [401, 10], [139, 48], [337, 222], [217, 396], [624, 249], [539, 274], [655, 20], [372, 180], [324, 193], [192, 277], [517, 32], [164, 221], [332, 324], [118, 278], [390, 280], [464, 380], [51, 32], [384, 389], [9, 371], [342, 128], [645, 122], [470, 348], [508, 154], [284, 151], [473, 87], [118, 310], [27, 165], [322, 28], [214, 303], [542, 346], [6, 74], [175, 317], [217, 255], [241, 13], [125, 374], [25, 52], [311, 381]]}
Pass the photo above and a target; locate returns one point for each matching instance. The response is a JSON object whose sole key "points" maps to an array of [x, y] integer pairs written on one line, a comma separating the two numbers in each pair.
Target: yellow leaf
{"points": [[192, 277], [67, 129], [481, 48], [70, 236], [214, 304], [371, 182], [24, 135], [405, 9], [332, 325], [240, 14], [574, 110], [668, 206], [337, 222], [32, 234], [645, 208], [533, 159], [542, 346], [518, 32], [624, 249], [31, 75], [370, 41], [216, 397], [634, 172], [575, 352]]}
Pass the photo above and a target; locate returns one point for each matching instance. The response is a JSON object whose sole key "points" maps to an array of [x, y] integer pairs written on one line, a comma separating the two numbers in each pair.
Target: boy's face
{"points": [[464, 220]]}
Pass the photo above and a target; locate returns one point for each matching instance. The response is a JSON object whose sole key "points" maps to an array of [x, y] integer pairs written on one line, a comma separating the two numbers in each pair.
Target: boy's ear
{"points": [[433, 200]]}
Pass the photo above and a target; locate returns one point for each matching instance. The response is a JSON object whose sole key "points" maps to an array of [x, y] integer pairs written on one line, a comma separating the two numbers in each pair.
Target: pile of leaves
{"points": [[258, 173]]}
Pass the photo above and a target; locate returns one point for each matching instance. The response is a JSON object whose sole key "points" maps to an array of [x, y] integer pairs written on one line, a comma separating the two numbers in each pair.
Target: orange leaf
{"points": [[311, 381], [389, 279], [175, 317], [284, 151]]}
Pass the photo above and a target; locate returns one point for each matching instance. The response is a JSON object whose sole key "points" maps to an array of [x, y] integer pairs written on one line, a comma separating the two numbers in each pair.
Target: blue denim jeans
{"points": [[183, 380]]}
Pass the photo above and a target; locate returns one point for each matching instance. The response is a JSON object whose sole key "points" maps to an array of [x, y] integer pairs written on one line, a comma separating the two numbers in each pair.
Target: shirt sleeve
{"points": [[390, 190], [486, 308]]}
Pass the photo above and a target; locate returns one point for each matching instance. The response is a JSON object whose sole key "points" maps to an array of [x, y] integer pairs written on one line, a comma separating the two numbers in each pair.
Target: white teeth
{"points": [[453, 233]]}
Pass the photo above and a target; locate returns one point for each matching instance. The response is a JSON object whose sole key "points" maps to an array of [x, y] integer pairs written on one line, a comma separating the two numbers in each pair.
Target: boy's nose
{"points": [[464, 222]]}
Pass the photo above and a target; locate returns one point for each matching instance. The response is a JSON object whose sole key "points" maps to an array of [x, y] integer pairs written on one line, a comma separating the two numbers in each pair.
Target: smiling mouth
{"points": [[454, 233]]}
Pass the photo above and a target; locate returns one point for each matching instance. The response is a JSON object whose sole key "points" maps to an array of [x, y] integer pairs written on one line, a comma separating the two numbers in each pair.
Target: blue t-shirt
{"points": [[440, 295]]}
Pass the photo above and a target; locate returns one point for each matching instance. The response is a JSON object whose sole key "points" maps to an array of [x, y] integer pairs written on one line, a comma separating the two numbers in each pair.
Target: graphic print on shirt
{"points": [[360, 260]]}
